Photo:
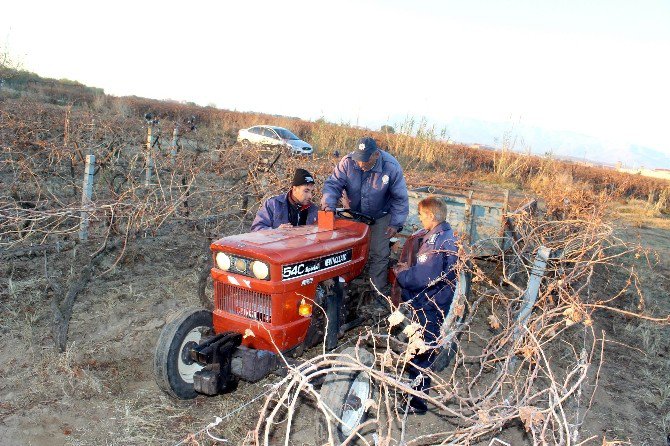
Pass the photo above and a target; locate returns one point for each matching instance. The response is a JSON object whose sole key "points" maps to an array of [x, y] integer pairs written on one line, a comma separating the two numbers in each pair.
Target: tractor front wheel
{"points": [[173, 366]]}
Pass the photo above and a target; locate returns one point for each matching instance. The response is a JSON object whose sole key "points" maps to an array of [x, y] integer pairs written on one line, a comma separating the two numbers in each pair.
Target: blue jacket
{"points": [[436, 258], [377, 192], [274, 212]]}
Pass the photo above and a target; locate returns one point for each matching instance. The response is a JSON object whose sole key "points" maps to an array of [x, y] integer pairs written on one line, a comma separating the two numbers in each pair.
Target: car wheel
{"points": [[245, 143], [346, 394], [173, 367]]}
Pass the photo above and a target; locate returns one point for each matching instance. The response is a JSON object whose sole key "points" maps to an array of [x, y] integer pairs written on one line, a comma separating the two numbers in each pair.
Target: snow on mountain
{"points": [[523, 138]]}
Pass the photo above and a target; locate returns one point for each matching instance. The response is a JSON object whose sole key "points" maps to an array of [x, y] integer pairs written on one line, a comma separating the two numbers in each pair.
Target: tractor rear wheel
{"points": [[346, 394], [173, 366]]}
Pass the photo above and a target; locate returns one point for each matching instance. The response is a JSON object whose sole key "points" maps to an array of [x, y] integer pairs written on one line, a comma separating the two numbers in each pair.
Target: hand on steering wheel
{"points": [[349, 214]]}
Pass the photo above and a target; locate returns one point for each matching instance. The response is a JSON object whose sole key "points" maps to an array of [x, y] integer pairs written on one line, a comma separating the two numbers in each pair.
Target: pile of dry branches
{"points": [[526, 355]]}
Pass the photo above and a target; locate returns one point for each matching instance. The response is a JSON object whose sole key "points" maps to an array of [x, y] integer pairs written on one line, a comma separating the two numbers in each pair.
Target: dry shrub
{"points": [[658, 202], [508, 164], [564, 197], [329, 138], [418, 141]]}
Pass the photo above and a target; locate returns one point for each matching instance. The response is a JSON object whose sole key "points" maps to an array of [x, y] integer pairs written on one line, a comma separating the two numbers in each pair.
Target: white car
{"points": [[275, 136]]}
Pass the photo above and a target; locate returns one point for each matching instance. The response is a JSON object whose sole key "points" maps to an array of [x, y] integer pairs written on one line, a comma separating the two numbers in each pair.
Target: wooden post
{"points": [[503, 215], [505, 203], [453, 321], [149, 158], [66, 129], [86, 194], [529, 298], [173, 151], [468, 218], [532, 289]]}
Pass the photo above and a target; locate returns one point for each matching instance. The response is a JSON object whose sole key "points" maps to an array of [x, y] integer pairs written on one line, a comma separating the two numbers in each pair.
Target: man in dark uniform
{"points": [[373, 182], [294, 208], [428, 286]]}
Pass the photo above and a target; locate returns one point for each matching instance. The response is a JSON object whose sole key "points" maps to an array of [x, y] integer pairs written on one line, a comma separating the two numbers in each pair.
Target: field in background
{"points": [[654, 173], [413, 142]]}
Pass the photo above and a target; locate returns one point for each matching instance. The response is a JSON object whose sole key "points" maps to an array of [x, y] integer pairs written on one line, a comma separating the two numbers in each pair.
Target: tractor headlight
{"points": [[241, 265], [233, 263], [260, 269], [222, 261]]}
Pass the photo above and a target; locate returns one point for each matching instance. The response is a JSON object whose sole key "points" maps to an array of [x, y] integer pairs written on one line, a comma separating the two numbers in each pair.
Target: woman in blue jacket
{"points": [[428, 285]]}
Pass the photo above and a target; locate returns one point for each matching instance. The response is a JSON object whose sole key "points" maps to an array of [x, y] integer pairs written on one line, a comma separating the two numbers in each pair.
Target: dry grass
{"points": [[637, 213]]}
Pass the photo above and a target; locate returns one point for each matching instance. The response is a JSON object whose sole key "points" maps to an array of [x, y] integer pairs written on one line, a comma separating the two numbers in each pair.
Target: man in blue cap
{"points": [[294, 208], [374, 184]]}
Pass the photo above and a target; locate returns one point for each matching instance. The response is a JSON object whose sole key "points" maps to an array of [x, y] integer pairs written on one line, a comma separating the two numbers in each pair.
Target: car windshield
{"points": [[285, 134]]}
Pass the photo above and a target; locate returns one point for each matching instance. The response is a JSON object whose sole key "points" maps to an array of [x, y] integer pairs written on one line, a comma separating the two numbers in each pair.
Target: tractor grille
{"points": [[246, 303]]}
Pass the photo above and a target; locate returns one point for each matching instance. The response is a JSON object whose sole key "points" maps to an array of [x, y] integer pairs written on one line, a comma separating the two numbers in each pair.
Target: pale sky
{"points": [[601, 68]]}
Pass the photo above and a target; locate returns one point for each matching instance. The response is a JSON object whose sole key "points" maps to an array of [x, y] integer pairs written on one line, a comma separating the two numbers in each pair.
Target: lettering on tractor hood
{"points": [[319, 264]]}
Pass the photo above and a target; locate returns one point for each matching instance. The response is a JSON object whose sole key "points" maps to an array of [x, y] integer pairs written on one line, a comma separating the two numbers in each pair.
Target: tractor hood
{"points": [[285, 246]]}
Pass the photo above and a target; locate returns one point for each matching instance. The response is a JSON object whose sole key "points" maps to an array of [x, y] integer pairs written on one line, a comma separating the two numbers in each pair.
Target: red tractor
{"points": [[282, 291], [279, 290]]}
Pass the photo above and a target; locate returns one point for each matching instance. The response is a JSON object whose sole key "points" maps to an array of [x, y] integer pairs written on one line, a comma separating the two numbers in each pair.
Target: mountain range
{"points": [[525, 138]]}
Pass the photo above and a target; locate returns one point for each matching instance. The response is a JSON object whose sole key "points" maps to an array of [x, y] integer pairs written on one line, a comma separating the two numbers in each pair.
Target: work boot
{"points": [[416, 406], [380, 300]]}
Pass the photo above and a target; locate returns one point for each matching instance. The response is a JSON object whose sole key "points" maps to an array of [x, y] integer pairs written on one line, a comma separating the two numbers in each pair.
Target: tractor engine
{"points": [[265, 282]]}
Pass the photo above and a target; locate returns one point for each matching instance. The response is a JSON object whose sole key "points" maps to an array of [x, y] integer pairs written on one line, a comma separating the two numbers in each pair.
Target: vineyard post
{"points": [[173, 151], [150, 158], [503, 213], [468, 217], [86, 194]]}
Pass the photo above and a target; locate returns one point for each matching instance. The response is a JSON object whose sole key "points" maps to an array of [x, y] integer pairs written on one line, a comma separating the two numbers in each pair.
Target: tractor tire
{"points": [[173, 368], [339, 391]]}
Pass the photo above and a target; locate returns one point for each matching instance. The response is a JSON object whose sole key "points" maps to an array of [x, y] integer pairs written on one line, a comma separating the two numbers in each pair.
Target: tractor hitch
{"points": [[216, 355]]}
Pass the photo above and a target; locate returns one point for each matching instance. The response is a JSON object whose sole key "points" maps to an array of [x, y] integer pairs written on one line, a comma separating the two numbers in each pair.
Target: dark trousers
{"points": [[378, 258], [431, 319]]}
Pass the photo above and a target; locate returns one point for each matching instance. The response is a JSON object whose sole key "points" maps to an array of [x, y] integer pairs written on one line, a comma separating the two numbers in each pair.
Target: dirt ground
{"points": [[101, 390]]}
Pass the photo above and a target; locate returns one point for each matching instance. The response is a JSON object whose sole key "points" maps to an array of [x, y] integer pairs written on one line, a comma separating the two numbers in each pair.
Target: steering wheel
{"points": [[350, 214]]}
